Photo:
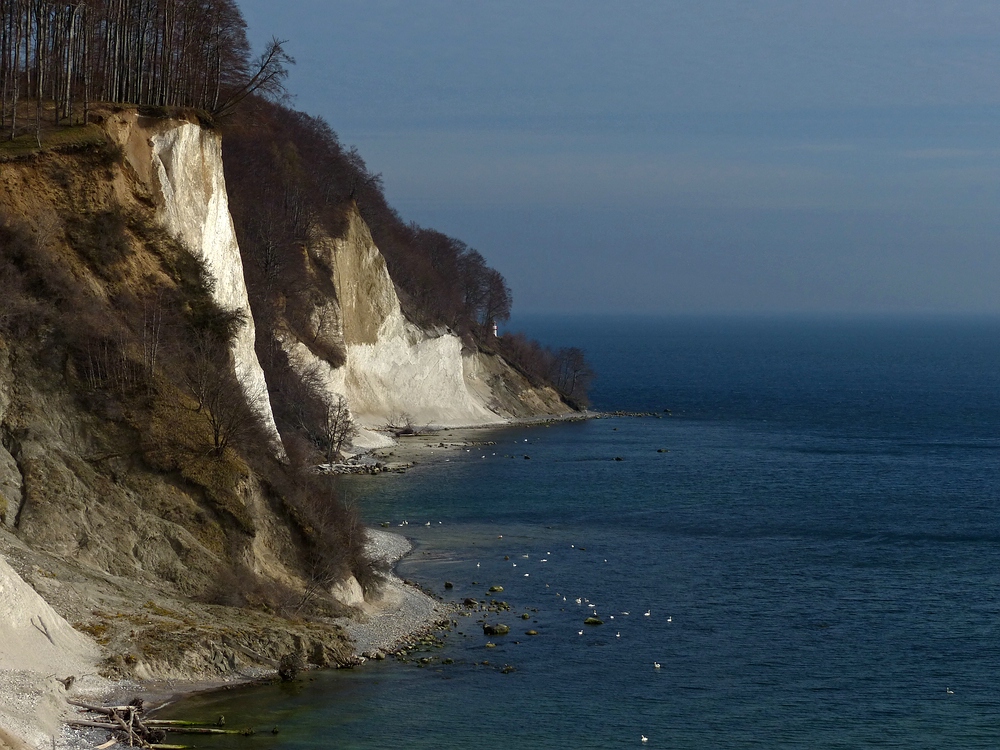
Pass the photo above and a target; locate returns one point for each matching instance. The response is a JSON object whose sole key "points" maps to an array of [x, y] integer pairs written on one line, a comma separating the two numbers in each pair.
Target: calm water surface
{"points": [[818, 548]]}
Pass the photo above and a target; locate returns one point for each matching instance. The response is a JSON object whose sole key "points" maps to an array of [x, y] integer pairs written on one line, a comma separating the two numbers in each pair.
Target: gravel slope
{"points": [[401, 610]]}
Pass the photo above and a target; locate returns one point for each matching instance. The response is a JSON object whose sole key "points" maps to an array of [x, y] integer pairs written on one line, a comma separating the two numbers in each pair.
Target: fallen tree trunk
{"points": [[125, 722]]}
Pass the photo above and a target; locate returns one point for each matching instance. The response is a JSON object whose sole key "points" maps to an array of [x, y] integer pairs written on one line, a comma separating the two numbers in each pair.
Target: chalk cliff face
{"points": [[181, 163], [70, 469], [129, 493], [392, 369]]}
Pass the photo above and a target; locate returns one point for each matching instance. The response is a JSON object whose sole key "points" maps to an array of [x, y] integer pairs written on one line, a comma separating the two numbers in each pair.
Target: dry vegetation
{"points": [[105, 311]]}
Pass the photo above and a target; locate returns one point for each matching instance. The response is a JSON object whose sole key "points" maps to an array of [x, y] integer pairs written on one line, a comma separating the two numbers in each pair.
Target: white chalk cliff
{"points": [[390, 368], [182, 163]]}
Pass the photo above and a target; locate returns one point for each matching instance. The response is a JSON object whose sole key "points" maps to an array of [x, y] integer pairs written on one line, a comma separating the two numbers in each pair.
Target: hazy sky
{"points": [[700, 156]]}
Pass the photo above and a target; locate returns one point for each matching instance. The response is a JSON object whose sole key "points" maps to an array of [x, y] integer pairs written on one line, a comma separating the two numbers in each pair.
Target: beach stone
{"points": [[470, 602], [593, 621], [531, 632], [525, 616], [449, 585], [498, 629], [289, 667], [495, 589]]}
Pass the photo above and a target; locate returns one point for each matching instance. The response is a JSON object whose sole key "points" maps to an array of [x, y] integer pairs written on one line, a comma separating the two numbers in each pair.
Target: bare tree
{"points": [[152, 334], [268, 78], [573, 374], [338, 427], [227, 411], [190, 53]]}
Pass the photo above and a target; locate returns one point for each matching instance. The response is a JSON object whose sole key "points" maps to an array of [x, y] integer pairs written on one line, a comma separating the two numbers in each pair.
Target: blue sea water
{"points": [[817, 546]]}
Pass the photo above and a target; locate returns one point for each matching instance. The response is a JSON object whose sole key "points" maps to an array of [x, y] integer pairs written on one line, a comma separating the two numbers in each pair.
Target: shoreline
{"points": [[433, 444], [394, 621], [402, 612]]}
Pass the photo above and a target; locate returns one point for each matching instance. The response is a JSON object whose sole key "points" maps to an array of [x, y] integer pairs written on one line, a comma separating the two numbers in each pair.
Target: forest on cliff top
{"points": [[287, 171]]}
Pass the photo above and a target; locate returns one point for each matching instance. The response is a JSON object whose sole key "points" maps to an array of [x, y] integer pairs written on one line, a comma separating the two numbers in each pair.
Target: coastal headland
{"points": [[164, 404]]}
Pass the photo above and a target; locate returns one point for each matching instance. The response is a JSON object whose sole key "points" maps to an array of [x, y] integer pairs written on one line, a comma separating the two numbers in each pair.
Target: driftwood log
{"points": [[127, 725]]}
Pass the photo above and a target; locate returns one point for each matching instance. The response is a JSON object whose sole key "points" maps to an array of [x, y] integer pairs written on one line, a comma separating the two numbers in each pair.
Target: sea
{"points": [[796, 546]]}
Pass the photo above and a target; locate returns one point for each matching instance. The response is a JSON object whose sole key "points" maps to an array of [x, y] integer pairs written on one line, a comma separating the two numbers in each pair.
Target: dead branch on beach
{"points": [[126, 724]]}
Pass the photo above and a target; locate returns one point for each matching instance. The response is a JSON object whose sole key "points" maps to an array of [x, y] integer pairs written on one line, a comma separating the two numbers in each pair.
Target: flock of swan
{"points": [[580, 601]]}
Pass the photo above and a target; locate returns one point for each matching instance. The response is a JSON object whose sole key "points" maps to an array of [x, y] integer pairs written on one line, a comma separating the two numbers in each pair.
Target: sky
{"points": [[664, 157]]}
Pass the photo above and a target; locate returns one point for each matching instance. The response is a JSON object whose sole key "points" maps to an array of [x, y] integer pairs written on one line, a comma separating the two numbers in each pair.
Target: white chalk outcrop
{"points": [[187, 166], [182, 163], [37, 646], [392, 367]]}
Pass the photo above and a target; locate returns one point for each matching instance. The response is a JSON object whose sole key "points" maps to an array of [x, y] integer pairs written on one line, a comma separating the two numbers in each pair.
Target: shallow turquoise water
{"points": [[822, 534]]}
